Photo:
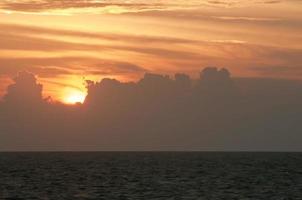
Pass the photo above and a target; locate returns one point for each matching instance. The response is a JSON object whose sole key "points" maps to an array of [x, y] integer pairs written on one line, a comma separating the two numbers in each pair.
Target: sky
{"points": [[65, 42], [107, 75]]}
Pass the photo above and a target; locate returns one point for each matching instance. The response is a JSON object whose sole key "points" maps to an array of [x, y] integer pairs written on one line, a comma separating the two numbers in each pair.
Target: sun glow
{"points": [[74, 96]]}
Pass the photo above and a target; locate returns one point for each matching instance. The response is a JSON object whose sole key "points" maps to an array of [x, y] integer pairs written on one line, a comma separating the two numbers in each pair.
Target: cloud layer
{"points": [[118, 6], [215, 112]]}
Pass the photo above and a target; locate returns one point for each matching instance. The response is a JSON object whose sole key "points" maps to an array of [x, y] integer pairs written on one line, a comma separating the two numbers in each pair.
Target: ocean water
{"points": [[167, 176]]}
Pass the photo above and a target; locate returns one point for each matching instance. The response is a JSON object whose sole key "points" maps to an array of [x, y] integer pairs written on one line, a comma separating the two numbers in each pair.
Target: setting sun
{"points": [[74, 96]]}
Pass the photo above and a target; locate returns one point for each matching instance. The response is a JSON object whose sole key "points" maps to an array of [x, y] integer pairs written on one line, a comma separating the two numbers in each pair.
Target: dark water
{"points": [[151, 176]]}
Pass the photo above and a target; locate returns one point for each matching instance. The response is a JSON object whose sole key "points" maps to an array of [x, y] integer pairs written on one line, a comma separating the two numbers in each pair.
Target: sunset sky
{"points": [[65, 42]]}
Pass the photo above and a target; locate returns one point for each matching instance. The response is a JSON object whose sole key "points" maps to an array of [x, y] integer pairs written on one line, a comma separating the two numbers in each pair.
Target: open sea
{"points": [[146, 175]]}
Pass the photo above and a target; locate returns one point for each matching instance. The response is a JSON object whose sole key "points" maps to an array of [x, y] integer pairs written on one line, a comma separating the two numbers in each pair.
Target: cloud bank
{"points": [[215, 112]]}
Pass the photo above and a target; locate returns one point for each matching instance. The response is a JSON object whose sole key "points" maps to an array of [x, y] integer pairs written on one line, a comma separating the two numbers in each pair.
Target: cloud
{"points": [[157, 113], [24, 91], [11, 69], [56, 66], [17, 41], [111, 6], [38, 6], [80, 6], [36, 30], [115, 6], [114, 68], [272, 1], [246, 19], [29, 38]]}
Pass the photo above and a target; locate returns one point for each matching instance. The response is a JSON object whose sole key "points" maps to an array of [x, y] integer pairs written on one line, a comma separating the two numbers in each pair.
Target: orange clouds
{"points": [[148, 36]]}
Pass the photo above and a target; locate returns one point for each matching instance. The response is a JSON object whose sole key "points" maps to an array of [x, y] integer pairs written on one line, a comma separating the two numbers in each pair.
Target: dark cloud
{"points": [[216, 82], [215, 112], [24, 91]]}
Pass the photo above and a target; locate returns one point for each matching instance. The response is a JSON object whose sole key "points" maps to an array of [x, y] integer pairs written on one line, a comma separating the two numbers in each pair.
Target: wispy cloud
{"points": [[55, 66], [35, 30], [117, 6], [197, 52], [83, 6]]}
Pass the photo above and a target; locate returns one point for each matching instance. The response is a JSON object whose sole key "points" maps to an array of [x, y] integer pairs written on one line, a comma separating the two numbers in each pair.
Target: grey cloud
{"points": [[215, 112], [25, 90]]}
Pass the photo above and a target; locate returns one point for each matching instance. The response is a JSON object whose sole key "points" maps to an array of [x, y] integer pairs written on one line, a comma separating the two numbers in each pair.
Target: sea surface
{"points": [[143, 175]]}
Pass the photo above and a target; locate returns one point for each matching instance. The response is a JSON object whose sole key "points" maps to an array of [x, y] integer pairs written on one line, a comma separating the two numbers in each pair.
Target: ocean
{"points": [[151, 175]]}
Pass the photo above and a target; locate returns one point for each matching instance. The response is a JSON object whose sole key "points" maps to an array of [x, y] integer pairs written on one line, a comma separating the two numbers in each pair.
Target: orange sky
{"points": [[65, 42]]}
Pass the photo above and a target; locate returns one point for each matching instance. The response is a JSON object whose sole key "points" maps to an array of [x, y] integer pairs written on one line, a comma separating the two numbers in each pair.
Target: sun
{"points": [[74, 96]]}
